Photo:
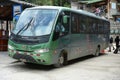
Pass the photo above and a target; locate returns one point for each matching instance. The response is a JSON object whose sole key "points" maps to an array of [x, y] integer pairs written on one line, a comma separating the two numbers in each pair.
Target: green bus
{"points": [[51, 35]]}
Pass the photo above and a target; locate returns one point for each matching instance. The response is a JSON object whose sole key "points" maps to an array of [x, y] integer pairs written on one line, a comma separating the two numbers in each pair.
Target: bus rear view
{"points": [[30, 39]]}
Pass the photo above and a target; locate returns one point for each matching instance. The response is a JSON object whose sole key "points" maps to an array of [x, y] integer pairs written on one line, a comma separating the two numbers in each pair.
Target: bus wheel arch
{"points": [[62, 59], [65, 53], [97, 52]]}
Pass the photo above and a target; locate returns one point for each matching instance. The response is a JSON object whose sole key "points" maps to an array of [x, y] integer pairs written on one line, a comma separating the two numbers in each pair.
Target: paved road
{"points": [[104, 67]]}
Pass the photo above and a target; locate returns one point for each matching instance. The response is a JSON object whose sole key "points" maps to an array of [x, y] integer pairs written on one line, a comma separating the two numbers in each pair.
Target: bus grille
{"points": [[26, 57]]}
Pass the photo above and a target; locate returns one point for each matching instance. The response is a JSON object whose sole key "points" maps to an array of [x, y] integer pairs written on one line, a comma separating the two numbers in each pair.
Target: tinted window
{"points": [[83, 23], [74, 23]]}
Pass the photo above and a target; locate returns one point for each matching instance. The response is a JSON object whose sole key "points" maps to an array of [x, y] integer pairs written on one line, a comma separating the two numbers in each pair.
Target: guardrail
{"points": [[115, 27], [115, 24]]}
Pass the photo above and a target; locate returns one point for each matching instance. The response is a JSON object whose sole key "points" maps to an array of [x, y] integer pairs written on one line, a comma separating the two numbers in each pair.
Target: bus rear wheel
{"points": [[97, 53], [61, 61]]}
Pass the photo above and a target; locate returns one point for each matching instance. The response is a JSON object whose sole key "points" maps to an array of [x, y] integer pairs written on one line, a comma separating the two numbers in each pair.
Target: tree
{"points": [[62, 3], [50, 2]]}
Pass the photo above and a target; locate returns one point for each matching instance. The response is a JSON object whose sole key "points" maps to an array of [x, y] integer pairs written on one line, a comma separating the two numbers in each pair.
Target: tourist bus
{"points": [[51, 35]]}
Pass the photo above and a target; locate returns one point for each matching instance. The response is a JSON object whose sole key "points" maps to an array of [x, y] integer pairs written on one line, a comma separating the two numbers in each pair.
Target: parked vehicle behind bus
{"points": [[54, 35]]}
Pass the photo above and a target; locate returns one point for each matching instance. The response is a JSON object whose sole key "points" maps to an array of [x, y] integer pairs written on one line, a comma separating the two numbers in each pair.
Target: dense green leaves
{"points": [[50, 2]]}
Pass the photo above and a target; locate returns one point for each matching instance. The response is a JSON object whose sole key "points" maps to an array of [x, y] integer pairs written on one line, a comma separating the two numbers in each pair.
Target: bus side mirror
{"points": [[65, 19], [56, 35]]}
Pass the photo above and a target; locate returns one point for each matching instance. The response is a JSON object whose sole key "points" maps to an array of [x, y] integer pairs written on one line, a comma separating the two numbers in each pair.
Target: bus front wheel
{"points": [[61, 60]]}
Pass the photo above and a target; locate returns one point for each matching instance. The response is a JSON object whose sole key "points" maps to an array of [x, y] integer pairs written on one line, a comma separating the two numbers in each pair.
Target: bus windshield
{"points": [[35, 22]]}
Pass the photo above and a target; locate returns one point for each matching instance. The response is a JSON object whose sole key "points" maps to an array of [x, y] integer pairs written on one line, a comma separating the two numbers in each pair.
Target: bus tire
{"points": [[61, 61], [97, 52]]}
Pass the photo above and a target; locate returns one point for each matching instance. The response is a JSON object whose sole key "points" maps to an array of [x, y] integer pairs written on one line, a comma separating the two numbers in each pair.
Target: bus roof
{"points": [[49, 7], [69, 9], [90, 14]]}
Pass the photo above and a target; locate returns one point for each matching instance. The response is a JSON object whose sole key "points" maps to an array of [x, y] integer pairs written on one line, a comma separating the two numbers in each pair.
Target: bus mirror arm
{"points": [[56, 35]]}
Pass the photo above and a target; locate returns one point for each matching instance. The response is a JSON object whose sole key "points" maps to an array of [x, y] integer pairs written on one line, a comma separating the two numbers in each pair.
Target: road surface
{"points": [[104, 67]]}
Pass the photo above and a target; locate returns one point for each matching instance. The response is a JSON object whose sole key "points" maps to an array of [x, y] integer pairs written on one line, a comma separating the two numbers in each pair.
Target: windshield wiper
{"points": [[26, 26]]}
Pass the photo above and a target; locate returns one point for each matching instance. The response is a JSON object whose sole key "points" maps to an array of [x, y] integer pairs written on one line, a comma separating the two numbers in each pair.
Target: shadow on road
{"points": [[81, 59], [21, 65], [30, 66]]}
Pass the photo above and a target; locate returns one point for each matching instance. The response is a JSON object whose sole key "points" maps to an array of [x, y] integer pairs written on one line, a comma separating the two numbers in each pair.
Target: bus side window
{"points": [[75, 23], [100, 27], [82, 24], [56, 33], [62, 27], [59, 28], [93, 26], [96, 27], [66, 25]]}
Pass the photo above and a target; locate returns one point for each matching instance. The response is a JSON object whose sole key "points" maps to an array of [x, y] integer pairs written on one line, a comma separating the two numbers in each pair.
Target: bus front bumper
{"points": [[31, 57]]}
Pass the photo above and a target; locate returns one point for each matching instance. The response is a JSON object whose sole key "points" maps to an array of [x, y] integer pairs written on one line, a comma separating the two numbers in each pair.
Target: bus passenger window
{"points": [[82, 24], [82, 27], [93, 27], [74, 23]]}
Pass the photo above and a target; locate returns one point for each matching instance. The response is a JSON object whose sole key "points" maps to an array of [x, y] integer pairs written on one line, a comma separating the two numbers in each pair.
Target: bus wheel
{"points": [[97, 53], [61, 61]]}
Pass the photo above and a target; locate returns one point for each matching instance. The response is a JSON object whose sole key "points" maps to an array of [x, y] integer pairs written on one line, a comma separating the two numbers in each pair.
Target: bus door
{"points": [[62, 30]]}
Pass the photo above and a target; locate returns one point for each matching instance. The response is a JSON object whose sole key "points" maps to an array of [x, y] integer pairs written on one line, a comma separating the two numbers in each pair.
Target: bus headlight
{"points": [[10, 47], [42, 50]]}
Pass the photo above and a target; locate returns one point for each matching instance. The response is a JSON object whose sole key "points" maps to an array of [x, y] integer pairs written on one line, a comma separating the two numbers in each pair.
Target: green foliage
{"points": [[65, 3]]}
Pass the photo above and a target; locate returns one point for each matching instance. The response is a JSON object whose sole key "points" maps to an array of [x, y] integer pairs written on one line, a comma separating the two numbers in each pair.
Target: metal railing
{"points": [[114, 27], [114, 24]]}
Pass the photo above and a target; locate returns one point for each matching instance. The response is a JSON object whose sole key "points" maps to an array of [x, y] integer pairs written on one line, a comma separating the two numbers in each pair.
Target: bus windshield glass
{"points": [[35, 22]]}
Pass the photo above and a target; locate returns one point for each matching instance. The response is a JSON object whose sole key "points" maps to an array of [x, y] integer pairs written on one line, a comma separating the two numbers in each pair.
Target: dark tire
{"points": [[97, 53], [61, 61]]}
